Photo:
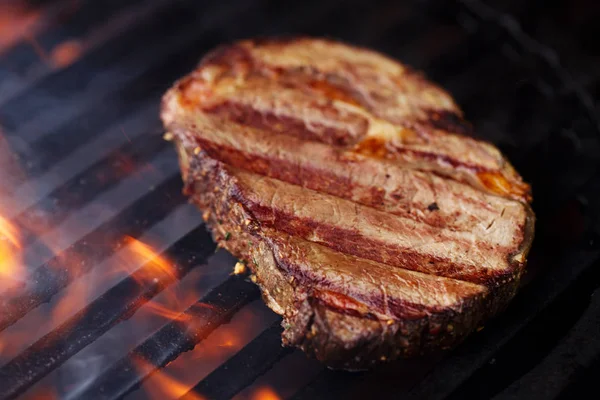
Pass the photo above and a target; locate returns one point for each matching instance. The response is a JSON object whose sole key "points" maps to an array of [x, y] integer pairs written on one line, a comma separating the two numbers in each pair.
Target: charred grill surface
{"points": [[346, 181]]}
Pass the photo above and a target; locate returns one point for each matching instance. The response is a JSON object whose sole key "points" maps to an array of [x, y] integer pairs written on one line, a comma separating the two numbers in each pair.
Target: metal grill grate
{"points": [[86, 176]]}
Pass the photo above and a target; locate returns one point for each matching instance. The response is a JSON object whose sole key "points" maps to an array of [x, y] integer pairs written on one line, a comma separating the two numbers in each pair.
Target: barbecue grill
{"points": [[110, 287]]}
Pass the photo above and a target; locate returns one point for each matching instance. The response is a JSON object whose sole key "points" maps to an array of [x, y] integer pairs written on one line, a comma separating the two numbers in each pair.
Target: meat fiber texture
{"points": [[373, 221]]}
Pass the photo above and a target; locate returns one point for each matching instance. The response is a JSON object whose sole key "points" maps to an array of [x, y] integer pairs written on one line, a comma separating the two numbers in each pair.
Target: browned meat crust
{"points": [[347, 184]]}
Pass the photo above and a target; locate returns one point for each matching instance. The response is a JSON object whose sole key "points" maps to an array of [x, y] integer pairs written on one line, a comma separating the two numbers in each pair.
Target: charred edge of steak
{"points": [[449, 121], [336, 337]]}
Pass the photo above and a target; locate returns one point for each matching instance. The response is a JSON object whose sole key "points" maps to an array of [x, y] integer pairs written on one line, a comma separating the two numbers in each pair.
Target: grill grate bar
{"points": [[244, 368], [50, 278], [114, 306], [52, 12], [89, 26], [545, 335], [115, 65], [459, 367], [213, 310], [56, 140], [472, 355], [55, 280], [83, 188], [93, 215], [569, 357], [113, 80], [63, 141], [332, 382], [35, 189], [572, 268]]}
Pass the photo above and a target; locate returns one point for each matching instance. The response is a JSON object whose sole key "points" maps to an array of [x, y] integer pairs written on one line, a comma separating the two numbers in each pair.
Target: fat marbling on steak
{"points": [[371, 218]]}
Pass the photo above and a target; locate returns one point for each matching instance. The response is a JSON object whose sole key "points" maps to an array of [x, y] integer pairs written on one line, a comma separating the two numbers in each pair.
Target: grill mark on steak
{"points": [[488, 179], [400, 293], [245, 114], [298, 257], [335, 87], [348, 240], [329, 85], [395, 190], [383, 238], [312, 178], [375, 86]]}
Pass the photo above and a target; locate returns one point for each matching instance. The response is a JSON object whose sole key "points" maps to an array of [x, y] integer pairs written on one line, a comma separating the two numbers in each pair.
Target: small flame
{"points": [[158, 268], [222, 341], [47, 394], [145, 253], [66, 53], [9, 232], [162, 386], [74, 298], [265, 393], [166, 312], [11, 267], [137, 253], [175, 303], [16, 21], [229, 340]]}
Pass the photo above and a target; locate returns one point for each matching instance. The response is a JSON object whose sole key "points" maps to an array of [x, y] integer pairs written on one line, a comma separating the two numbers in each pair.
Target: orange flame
{"points": [[159, 265], [45, 394], [9, 232], [88, 285], [175, 304], [74, 298], [229, 339], [137, 253], [66, 53], [157, 268], [11, 267], [16, 21], [166, 312], [162, 386], [265, 393], [222, 341]]}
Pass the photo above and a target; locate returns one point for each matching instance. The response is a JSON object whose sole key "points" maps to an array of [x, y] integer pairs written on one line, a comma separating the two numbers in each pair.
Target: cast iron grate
{"points": [[83, 163]]}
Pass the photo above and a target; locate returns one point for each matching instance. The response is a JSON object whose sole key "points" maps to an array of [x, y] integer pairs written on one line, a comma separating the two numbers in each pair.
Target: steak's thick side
{"points": [[347, 184]]}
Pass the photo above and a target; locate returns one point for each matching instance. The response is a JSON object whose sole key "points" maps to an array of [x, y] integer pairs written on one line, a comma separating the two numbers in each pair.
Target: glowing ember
{"points": [[45, 394], [16, 21], [10, 263], [163, 386], [66, 53], [265, 393], [229, 340], [239, 268]]}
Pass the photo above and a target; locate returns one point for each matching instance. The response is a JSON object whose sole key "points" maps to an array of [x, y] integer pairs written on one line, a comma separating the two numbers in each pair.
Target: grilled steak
{"points": [[353, 189]]}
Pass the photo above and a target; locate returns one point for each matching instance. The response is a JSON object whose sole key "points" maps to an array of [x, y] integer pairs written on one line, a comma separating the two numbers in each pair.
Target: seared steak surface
{"points": [[371, 219]]}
